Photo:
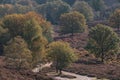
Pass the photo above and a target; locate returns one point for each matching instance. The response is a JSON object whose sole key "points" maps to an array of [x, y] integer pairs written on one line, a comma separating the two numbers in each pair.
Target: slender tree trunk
{"points": [[102, 58], [57, 71], [72, 29], [57, 67], [118, 28], [1, 49], [72, 33], [60, 71]]}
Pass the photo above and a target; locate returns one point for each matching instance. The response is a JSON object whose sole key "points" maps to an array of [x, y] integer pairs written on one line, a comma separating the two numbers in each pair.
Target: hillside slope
{"points": [[7, 73]]}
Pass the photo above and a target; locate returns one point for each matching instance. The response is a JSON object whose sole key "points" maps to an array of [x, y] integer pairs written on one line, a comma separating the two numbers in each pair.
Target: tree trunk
{"points": [[72, 33], [1, 49], [102, 55], [60, 71], [72, 30], [56, 70], [102, 58], [118, 28], [56, 67]]}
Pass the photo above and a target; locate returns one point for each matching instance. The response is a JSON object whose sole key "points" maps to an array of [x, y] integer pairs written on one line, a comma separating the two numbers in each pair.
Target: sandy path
{"points": [[78, 77]]}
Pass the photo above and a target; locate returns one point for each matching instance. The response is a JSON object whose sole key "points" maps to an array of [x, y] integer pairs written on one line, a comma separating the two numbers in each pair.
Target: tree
{"points": [[33, 29], [5, 1], [2, 33], [17, 53], [1, 49], [41, 1], [73, 22], [70, 2], [6, 9], [115, 19], [97, 5], [15, 23], [102, 41], [45, 25], [4, 37], [61, 54], [15, 1], [53, 9], [35, 39], [84, 8], [18, 8], [25, 2]]}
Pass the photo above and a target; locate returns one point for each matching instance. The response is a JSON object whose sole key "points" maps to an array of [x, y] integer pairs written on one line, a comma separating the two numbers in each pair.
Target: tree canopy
{"points": [[84, 8], [34, 29], [73, 22], [61, 54], [103, 41], [70, 2], [97, 5], [53, 9], [17, 53], [115, 19]]}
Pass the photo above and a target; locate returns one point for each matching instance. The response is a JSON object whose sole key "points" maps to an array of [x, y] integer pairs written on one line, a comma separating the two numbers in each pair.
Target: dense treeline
{"points": [[32, 28], [24, 39], [52, 9]]}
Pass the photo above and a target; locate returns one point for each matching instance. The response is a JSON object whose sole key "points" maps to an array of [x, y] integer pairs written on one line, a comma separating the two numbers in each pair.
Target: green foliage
{"points": [[23, 8], [98, 5], [45, 25], [5, 1], [4, 35], [33, 29], [52, 0], [24, 2], [13, 2], [73, 22], [103, 41], [41, 1], [17, 53], [15, 24], [115, 19], [2, 30], [61, 54], [53, 9], [70, 2], [45, 1], [84, 8], [6, 9]]}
